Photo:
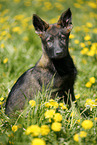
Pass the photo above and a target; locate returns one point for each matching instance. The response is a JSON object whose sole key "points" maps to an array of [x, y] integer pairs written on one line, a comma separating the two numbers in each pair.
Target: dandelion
{"points": [[90, 103], [87, 124], [38, 141], [77, 5], [78, 120], [71, 36], [27, 3], [87, 37], [77, 96], [17, 1], [91, 53], [84, 50], [14, 128], [2, 98], [89, 24], [76, 41], [64, 108], [32, 103], [1, 103], [82, 134], [56, 126], [34, 130], [88, 84], [45, 130], [92, 4], [54, 104], [49, 113], [58, 117], [95, 118], [59, 6], [5, 60], [47, 104], [76, 137], [48, 5], [92, 80], [82, 44], [17, 30], [95, 30]]}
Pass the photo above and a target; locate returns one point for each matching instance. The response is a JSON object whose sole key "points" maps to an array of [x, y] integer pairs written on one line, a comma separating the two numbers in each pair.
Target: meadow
{"points": [[46, 121]]}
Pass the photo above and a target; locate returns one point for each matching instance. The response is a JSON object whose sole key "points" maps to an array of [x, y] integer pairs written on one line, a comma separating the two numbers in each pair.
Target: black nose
{"points": [[58, 52]]}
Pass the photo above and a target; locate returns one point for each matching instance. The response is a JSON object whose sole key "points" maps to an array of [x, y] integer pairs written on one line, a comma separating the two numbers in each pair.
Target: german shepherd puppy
{"points": [[55, 63]]}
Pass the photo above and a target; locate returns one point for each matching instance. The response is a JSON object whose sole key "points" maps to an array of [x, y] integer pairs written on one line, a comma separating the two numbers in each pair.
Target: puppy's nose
{"points": [[58, 52]]}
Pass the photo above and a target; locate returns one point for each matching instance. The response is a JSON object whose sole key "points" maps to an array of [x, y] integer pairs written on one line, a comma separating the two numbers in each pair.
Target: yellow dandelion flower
{"points": [[89, 24], [87, 37], [77, 96], [95, 118], [76, 137], [51, 100], [1, 103], [5, 60], [58, 117], [64, 108], [2, 98], [38, 141], [14, 128], [27, 3], [92, 4], [19, 17], [47, 104], [76, 41], [56, 126], [49, 113], [59, 6], [82, 44], [88, 84], [78, 120], [90, 102], [45, 130], [61, 104], [32, 103], [16, 1], [92, 80], [91, 53], [87, 124], [77, 5], [48, 5], [17, 30], [71, 36], [34, 130], [83, 134], [54, 104], [84, 50], [95, 30]]}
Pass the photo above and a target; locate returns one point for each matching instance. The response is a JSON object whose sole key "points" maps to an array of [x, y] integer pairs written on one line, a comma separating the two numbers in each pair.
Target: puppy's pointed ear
{"points": [[66, 18], [39, 24]]}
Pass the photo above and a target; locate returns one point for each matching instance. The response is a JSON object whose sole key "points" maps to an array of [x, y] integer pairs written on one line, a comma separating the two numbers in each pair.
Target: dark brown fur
{"points": [[55, 63]]}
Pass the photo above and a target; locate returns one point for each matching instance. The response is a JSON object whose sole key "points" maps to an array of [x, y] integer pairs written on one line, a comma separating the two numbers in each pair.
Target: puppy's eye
{"points": [[49, 39], [49, 43], [62, 37]]}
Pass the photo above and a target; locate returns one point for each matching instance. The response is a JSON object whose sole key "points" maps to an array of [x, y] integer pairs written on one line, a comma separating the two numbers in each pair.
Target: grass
{"points": [[20, 49]]}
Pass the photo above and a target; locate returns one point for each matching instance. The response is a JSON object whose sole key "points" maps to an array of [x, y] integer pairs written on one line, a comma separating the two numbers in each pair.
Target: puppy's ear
{"points": [[66, 18], [39, 25]]}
